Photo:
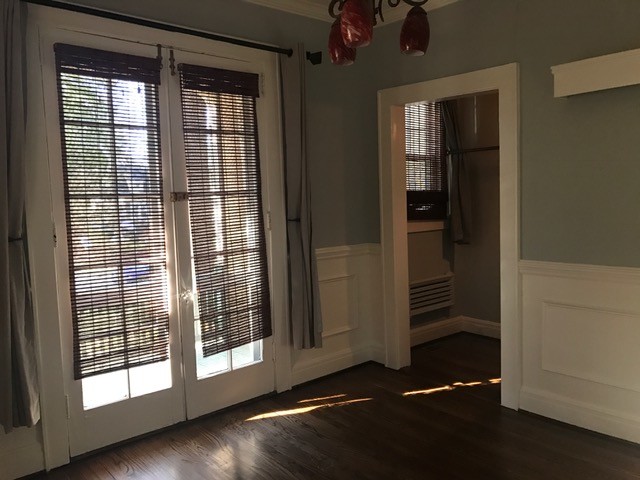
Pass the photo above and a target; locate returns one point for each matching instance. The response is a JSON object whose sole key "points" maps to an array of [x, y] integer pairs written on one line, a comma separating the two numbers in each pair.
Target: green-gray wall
{"points": [[580, 163], [580, 157]]}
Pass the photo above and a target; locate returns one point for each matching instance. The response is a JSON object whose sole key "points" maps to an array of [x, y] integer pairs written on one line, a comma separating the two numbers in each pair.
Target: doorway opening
{"points": [[503, 83]]}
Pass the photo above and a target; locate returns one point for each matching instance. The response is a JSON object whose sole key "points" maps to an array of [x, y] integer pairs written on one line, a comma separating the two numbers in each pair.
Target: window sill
{"points": [[425, 226]]}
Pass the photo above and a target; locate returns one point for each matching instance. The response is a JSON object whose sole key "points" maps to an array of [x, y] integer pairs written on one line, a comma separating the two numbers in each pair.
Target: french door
{"points": [[165, 262]]}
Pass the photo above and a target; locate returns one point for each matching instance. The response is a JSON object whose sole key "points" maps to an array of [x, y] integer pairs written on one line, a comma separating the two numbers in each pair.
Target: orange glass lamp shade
{"points": [[340, 54], [414, 37], [357, 23]]}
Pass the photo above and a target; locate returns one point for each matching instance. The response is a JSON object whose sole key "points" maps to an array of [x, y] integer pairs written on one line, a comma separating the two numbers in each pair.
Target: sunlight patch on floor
{"points": [[322, 399], [310, 408], [454, 386]]}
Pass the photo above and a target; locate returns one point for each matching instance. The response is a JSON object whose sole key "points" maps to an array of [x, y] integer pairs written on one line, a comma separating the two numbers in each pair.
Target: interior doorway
{"points": [[453, 215], [391, 104]]}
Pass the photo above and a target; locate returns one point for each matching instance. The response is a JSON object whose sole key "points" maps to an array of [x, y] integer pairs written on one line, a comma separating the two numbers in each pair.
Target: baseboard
{"points": [[580, 414], [480, 327], [450, 326], [435, 330], [327, 364]]}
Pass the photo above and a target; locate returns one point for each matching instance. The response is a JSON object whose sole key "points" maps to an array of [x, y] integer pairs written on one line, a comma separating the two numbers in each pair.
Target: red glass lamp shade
{"points": [[414, 37], [357, 23], [340, 54]]}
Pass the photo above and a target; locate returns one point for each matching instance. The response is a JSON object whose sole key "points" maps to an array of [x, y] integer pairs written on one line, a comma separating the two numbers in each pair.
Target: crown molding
{"points": [[320, 11]]}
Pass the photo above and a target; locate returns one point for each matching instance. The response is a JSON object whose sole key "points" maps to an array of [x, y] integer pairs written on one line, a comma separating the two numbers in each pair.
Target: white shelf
{"points": [[597, 73]]}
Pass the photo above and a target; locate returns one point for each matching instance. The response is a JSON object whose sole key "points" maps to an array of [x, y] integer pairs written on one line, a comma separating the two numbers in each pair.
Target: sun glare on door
{"points": [[113, 387]]}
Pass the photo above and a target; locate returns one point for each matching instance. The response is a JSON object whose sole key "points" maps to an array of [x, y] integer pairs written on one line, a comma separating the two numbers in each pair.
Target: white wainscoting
{"points": [[350, 292], [21, 453], [581, 345]]}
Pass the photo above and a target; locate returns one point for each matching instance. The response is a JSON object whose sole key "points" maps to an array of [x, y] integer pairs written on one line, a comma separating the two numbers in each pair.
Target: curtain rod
{"points": [[472, 150], [158, 25]]}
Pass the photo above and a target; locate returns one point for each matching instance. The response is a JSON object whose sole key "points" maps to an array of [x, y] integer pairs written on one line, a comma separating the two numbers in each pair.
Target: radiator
{"points": [[431, 294]]}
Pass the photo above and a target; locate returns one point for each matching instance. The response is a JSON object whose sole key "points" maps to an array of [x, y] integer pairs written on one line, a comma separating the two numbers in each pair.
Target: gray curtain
{"points": [[459, 189], [304, 297], [19, 403]]}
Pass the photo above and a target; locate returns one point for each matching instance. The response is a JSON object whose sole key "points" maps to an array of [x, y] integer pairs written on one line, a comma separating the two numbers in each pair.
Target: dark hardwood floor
{"points": [[367, 427]]}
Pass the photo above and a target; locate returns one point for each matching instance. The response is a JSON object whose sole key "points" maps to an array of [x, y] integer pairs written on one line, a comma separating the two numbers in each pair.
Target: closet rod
{"points": [[473, 150], [158, 25]]}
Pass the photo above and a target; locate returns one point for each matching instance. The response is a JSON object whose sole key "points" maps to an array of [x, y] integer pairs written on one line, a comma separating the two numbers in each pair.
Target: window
{"points": [[426, 166]]}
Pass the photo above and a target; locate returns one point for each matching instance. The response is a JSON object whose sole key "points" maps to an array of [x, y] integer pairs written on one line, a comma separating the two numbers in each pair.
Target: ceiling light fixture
{"points": [[354, 23]]}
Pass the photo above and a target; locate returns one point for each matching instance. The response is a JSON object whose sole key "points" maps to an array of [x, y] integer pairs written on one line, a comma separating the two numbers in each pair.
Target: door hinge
{"points": [[179, 196], [273, 352], [55, 235], [269, 221], [68, 403], [262, 84]]}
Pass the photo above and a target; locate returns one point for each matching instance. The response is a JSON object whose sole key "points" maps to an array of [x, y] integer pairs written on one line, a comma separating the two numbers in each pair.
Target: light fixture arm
{"points": [[335, 7]]}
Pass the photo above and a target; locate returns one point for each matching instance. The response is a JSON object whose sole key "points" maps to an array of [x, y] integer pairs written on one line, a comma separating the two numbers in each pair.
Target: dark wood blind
{"points": [[427, 184], [112, 170], [225, 206]]}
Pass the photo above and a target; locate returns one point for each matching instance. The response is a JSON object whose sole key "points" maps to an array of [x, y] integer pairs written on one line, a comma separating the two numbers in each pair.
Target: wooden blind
{"points": [[426, 162], [225, 206], [114, 206]]}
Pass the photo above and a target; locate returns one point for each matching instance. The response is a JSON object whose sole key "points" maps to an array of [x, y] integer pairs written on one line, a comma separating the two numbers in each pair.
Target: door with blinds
{"points": [[162, 249]]}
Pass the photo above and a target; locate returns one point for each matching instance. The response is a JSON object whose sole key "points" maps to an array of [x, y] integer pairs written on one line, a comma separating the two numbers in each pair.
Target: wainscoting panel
{"points": [[609, 347], [340, 310], [350, 292], [21, 452], [581, 332]]}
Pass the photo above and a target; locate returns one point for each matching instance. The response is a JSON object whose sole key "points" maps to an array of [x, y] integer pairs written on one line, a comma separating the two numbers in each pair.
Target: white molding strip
{"points": [[485, 328], [450, 326], [597, 73], [348, 251], [628, 275], [318, 9], [584, 415], [332, 362]]}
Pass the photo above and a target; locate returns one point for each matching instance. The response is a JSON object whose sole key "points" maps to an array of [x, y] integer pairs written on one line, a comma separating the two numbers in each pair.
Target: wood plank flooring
{"points": [[360, 424]]}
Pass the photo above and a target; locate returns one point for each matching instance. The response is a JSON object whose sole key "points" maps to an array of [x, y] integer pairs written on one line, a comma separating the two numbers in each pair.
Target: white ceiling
{"points": [[319, 9]]}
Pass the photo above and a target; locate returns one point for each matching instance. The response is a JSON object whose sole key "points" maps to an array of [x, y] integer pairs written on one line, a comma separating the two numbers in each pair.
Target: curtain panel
{"points": [[19, 402], [304, 297], [459, 189]]}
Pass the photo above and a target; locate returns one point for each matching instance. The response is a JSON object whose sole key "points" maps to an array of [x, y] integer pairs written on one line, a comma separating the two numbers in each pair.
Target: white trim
{"points": [[485, 328], [581, 271], [435, 330], [597, 73], [332, 362], [392, 15], [21, 453], [319, 10], [584, 415], [347, 251], [504, 80], [443, 328]]}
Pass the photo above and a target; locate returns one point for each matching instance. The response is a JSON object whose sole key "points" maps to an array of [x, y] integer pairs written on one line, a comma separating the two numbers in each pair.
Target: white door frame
{"points": [[393, 212], [43, 21]]}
